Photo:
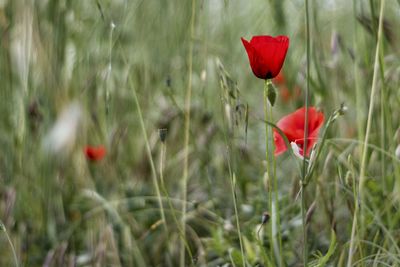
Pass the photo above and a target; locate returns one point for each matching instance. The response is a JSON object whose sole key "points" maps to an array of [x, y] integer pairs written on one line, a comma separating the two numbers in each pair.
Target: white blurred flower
{"points": [[397, 152], [203, 75], [63, 133]]}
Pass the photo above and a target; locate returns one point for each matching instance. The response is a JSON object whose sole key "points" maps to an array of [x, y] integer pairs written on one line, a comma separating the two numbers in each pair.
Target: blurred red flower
{"points": [[280, 79], [292, 126], [266, 54], [284, 91], [95, 153]]}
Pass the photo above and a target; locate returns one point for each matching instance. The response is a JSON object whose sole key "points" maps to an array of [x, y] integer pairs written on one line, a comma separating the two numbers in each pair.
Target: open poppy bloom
{"points": [[95, 153], [266, 54], [292, 126]]}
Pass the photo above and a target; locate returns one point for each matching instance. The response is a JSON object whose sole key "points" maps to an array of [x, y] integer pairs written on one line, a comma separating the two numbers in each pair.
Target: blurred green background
{"points": [[76, 65]]}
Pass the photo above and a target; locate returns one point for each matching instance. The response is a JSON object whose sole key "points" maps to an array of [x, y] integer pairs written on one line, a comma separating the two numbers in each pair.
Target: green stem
{"points": [[359, 98], [233, 188], [149, 155], [276, 221], [304, 170], [187, 135], [171, 207], [269, 187], [3, 228], [276, 240], [361, 195]]}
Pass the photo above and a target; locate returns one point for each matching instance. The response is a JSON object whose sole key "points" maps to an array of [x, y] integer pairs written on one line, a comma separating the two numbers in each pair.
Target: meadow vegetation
{"points": [[166, 88]]}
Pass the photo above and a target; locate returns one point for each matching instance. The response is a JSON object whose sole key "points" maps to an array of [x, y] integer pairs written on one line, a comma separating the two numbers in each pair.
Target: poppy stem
{"points": [[304, 170], [274, 229], [268, 182]]}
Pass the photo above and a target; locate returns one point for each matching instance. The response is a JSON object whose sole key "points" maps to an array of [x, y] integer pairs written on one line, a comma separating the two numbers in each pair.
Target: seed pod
{"points": [[349, 179], [162, 134], [265, 217]]}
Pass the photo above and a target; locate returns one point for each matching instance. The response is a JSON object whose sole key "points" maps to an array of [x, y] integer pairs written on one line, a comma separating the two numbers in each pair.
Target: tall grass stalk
{"points": [[304, 169], [148, 150], [163, 153], [3, 228], [233, 189], [360, 199], [359, 100], [187, 133]]}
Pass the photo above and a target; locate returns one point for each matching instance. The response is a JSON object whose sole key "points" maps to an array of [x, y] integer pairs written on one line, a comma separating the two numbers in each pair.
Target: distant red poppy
{"points": [[280, 79], [292, 126], [266, 54], [284, 91], [95, 153]]}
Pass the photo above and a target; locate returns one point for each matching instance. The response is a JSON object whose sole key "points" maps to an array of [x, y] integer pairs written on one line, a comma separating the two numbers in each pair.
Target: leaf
{"points": [[322, 261]]}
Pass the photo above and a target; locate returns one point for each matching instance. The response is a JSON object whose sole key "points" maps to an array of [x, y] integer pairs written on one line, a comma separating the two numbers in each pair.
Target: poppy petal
{"points": [[292, 126], [266, 54]]}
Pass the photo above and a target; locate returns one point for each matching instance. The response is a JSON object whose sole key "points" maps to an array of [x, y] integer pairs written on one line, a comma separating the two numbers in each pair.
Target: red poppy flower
{"points": [[95, 153], [266, 54], [292, 126]]}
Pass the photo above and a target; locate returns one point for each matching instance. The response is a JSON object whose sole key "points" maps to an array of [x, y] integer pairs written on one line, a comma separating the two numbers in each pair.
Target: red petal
{"points": [[293, 127], [266, 54]]}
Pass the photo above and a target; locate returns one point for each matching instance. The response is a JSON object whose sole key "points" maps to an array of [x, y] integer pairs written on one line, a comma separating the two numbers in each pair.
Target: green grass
{"points": [[130, 68]]}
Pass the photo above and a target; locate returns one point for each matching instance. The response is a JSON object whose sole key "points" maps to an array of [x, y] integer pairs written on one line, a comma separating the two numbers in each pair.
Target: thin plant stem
{"points": [[304, 170], [109, 69], [148, 150], [277, 220], [269, 187], [162, 184], [163, 153], [233, 189], [359, 100], [187, 134], [361, 194], [3, 228], [272, 185]]}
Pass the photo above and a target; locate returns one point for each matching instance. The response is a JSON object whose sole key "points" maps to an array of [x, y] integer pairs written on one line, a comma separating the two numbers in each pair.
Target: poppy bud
{"points": [[271, 93]]}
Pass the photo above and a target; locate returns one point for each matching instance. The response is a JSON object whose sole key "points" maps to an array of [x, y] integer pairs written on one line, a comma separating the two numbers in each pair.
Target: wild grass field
{"points": [[134, 133]]}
